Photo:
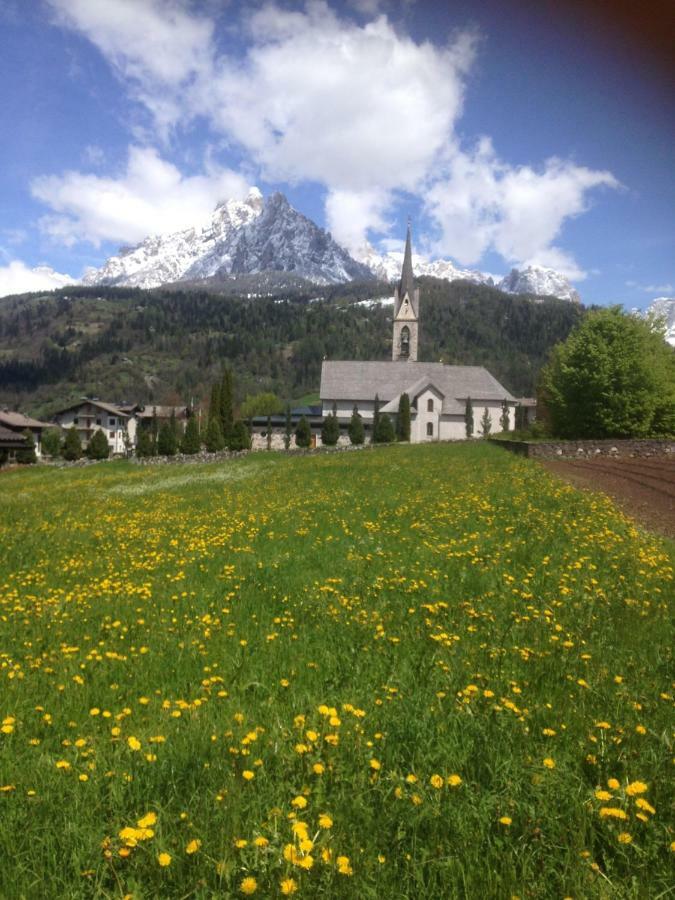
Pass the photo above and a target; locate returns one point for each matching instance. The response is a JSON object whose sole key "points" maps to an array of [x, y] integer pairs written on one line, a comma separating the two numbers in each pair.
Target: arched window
{"points": [[430, 405], [405, 341]]}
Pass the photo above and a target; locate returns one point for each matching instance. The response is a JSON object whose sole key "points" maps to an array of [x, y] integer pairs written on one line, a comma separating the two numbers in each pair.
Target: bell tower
{"points": [[406, 311]]}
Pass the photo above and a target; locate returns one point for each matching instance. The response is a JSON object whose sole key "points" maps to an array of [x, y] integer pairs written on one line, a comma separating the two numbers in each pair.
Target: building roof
{"points": [[407, 283], [85, 401], [10, 438], [358, 381], [12, 419]]}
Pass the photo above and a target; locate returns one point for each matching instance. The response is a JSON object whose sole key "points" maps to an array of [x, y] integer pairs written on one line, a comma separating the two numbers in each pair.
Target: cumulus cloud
{"points": [[360, 108], [18, 278], [481, 203], [150, 197]]}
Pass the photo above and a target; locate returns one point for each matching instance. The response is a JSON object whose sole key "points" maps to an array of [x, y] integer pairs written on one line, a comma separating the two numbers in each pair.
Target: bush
{"points": [[214, 440], [240, 437], [98, 446], [167, 440], [51, 442], [72, 446], [26, 455], [191, 442], [383, 432], [357, 434], [330, 430], [303, 433]]}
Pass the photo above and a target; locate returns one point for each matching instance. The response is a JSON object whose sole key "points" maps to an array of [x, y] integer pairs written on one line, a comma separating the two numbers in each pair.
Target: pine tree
{"points": [[144, 442], [504, 418], [403, 419], [72, 447], [167, 442], [239, 438], [226, 401], [191, 442], [468, 418], [214, 404], [98, 446], [214, 440], [485, 423], [288, 433], [303, 433], [383, 433], [357, 434], [26, 455], [376, 417], [330, 430]]}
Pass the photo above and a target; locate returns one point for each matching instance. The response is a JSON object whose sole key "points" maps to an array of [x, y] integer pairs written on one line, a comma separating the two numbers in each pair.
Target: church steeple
{"points": [[406, 309]]}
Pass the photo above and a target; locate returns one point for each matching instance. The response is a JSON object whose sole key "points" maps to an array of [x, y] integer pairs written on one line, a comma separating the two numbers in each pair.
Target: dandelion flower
{"points": [[134, 743], [325, 821], [645, 805], [193, 847], [602, 795], [612, 812], [318, 768], [613, 784], [375, 765], [164, 859], [148, 820], [624, 838], [454, 781], [549, 763], [249, 885], [506, 820], [436, 781], [636, 787], [288, 886], [299, 802], [247, 775]]}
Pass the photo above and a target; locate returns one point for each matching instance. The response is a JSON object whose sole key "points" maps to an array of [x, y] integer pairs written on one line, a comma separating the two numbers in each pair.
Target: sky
{"points": [[510, 131]]}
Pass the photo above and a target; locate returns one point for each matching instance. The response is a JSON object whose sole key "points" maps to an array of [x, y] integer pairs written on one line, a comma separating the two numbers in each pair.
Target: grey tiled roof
{"points": [[12, 419], [106, 407], [10, 438], [356, 380]]}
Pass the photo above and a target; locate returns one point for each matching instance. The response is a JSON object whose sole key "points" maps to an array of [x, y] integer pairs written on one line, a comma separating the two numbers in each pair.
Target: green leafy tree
{"points": [[468, 417], [303, 433], [504, 418], [403, 419], [384, 432], [51, 442], [330, 430], [239, 437], [226, 401], [356, 431], [214, 440], [98, 446], [614, 377], [167, 441], [26, 455], [288, 433], [72, 446], [144, 445], [191, 442], [485, 423]]}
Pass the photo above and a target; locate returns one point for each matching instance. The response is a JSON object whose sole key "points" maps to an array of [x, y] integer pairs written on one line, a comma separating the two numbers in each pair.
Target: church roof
{"points": [[407, 282], [358, 381]]}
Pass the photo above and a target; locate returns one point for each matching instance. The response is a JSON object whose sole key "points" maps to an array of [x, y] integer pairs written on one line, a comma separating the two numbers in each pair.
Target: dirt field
{"points": [[643, 488]]}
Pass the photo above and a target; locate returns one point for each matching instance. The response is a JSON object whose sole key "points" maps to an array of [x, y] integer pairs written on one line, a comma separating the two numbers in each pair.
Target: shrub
{"points": [[240, 437], [98, 446], [214, 440], [72, 446], [51, 442], [26, 455], [303, 433], [357, 434], [383, 433], [191, 442]]}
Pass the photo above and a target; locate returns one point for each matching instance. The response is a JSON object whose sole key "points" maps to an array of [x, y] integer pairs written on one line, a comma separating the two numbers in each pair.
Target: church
{"points": [[438, 393]]}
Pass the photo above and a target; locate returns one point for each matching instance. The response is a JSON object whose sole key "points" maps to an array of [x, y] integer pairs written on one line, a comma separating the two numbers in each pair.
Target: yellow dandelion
{"points": [[344, 866], [249, 885], [325, 821], [148, 820], [193, 846], [133, 743], [375, 765], [436, 781], [636, 787], [624, 838], [506, 820], [454, 781], [549, 763], [164, 859], [299, 802], [318, 768], [247, 775], [613, 784], [645, 805], [612, 812], [288, 886], [602, 795], [261, 842]]}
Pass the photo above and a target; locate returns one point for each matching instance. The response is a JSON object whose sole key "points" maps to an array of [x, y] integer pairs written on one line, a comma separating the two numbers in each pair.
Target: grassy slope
{"points": [[449, 602]]}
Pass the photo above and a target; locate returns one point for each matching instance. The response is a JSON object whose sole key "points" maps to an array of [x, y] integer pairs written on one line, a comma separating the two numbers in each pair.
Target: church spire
{"points": [[407, 284], [406, 310]]}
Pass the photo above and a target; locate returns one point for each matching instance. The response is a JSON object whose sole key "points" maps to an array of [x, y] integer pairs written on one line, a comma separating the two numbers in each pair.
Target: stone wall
{"points": [[589, 449]]}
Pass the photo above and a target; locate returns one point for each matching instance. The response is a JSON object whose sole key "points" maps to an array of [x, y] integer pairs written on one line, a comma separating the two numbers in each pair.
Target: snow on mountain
{"points": [[538, 280], [664, 308], [387, 267], [243, 237]]}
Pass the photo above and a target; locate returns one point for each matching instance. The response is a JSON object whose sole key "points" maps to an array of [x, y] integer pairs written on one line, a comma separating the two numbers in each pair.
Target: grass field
{"points": [[412, 672]]}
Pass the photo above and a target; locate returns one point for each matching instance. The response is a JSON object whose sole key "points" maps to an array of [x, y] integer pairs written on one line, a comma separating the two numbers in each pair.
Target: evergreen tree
{"points": [[72, 446], [520, 417], [214, 404], [51, 442], [26, 455], [384, 432], [191, 442], [357, 434], [167, 442], [240, 437], [98, 446], [288, 433], [504, 418], [485, 423], [214, 440], [144, 442], [468, 418], [330, 430], [226, 401], [376, 416], [403, 419], [303, 433]]}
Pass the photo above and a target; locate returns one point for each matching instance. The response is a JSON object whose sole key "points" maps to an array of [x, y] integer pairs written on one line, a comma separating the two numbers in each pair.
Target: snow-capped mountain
{"points": [[243, 237], [540, 281], [664, 308], [387, 267]]}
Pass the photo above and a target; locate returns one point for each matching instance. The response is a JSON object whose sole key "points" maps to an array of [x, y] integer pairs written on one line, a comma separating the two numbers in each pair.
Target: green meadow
{"points": [[407, 672]]}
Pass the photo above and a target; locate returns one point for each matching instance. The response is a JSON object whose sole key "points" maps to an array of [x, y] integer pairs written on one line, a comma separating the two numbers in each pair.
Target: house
{"points": [[89, 415], [16, 424], [438, 393], [147, 415]]}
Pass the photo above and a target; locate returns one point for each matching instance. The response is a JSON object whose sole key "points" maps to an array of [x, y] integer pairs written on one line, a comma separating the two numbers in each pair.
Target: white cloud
{"points": [[666, 288], [481, 203], [150, 197], [18, 278]]}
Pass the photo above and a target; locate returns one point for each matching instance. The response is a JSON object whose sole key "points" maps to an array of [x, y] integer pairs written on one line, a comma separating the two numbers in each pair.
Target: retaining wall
{"points": [[589, 449]]}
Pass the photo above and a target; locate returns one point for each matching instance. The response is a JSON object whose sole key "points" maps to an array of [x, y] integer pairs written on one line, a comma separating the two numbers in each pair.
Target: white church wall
{"points": [[427, 419], [345, 408], [452, 428]]}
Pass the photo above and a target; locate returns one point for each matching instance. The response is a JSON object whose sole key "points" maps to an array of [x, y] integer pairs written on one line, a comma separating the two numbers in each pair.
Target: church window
{"points": [[430, 429], [430, 405], [405, 341]]}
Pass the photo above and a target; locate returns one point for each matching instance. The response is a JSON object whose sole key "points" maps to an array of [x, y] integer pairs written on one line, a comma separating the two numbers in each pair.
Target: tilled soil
{"points": [[643, 488]]}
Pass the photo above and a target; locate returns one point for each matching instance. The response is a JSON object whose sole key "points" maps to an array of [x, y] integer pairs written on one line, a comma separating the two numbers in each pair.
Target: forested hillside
{"points": [[130, 344]]}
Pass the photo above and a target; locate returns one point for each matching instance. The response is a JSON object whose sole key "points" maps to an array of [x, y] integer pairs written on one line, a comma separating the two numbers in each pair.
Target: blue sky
{"points": [[511, 132]]}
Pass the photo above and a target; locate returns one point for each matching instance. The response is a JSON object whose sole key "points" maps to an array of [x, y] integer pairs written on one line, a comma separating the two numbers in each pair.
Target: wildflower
{"points": [[148, 820], [318, 768], [613, 784], [83, 777], [454, 781], [549, 732], [288, 886], [506, 820], [624, 838], [344, 866], [134, 743], [549, 763], [325, 821], [612, 812], [249, 885], [247, 775], [62, 764], [193, 847], [603, 795], [603, 725], [411, 779], [640, 729], [645, 805], [636, 787], [240, 843], [299, 802], [375, 765], [261, 842], [164, 859], [436, 781]]}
